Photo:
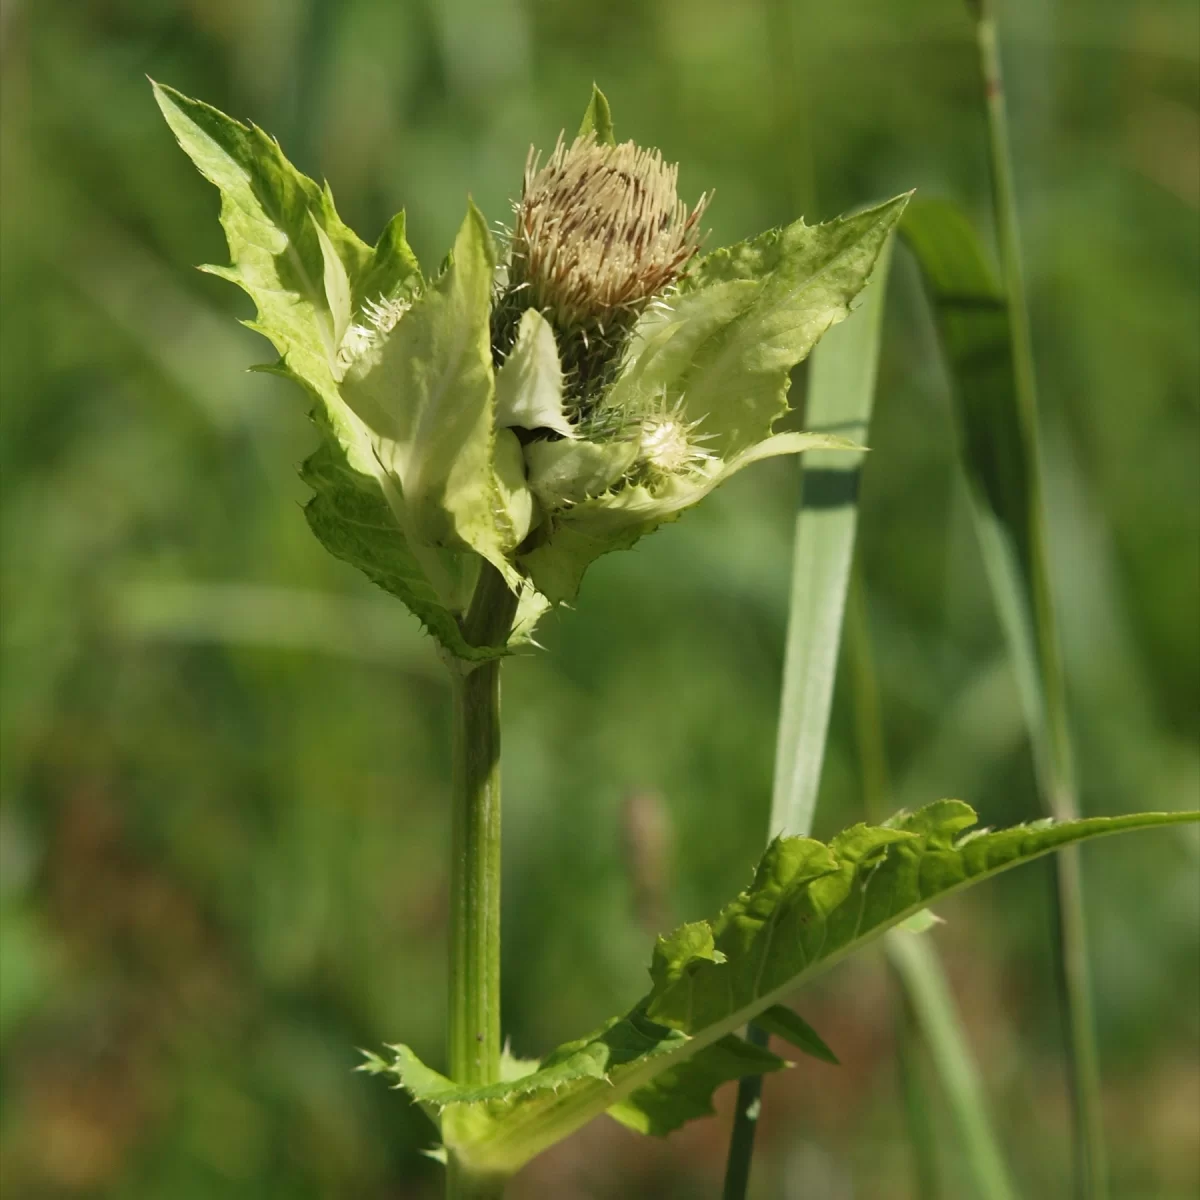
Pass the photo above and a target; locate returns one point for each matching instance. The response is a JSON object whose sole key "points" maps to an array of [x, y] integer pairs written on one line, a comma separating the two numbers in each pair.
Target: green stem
{"points": [[745, 1123], [461, 1185], [1051, 736], [474, 1025]]}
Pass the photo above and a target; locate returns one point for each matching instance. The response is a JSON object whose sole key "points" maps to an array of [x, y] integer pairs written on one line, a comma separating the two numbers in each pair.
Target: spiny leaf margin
{"points": [[809, 905], [287, 244]]}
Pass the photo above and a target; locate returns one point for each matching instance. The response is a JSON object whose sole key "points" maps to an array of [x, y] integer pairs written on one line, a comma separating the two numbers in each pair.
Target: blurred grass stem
{"points": [[873, 770], [1049, 728], [916, 963], [925, 1011], [474, 1026]]}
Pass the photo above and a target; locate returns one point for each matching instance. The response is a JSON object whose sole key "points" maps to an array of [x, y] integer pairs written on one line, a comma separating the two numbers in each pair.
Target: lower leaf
{"points": [[809, 905]]}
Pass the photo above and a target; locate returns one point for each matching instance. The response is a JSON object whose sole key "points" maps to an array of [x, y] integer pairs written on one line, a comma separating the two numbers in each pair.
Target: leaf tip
{"points": [[597, 118]]}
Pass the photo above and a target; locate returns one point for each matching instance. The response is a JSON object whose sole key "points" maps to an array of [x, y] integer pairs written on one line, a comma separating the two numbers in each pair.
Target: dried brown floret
{"points": [[600, 231]]}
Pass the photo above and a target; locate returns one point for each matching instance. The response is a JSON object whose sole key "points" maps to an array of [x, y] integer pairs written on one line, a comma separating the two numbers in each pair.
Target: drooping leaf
{"points": [[792, 1027], [578, 535], [745, 316], [975, 328], [598, 119], [529, 385], [683, 1092], [809, 905]]}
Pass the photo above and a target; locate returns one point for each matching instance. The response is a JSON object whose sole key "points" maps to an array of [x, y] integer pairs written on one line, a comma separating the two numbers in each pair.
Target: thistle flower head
{"points": [[599, 232], [539, 412]]}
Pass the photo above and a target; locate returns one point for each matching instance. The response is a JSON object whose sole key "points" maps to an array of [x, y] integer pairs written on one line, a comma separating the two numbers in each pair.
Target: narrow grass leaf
{"points": [[985, 334], [918, 966], [841, 394]]}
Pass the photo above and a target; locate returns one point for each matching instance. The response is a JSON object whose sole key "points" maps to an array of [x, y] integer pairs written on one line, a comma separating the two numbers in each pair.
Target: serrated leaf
{"points": [[529, 385], [598, 119], [745, 316], [306, 272], [271, 214], [578, 535], [809, 905]]}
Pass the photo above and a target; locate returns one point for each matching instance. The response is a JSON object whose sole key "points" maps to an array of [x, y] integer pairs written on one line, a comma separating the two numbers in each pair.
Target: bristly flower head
{"points": [[599, 232]]}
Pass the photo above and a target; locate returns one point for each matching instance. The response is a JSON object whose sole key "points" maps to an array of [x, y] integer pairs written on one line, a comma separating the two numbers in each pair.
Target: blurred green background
{"points": [[224, 756]]}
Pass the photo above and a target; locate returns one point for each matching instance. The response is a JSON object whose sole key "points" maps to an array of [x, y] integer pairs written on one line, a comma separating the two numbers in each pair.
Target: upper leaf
{"points": [[745, 316], [809, 905], [393, 272], [426, 392], [274, 219], [320, 292]]}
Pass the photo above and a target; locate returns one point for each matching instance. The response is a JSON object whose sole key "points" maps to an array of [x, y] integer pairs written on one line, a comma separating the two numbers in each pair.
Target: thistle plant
{"points": [[488, 431]]}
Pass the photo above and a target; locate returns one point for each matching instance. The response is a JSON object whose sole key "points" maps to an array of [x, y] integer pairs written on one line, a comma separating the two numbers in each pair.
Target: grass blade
{"points": [[841, 394], [914, 1094], [986, 334], [916, 963]]}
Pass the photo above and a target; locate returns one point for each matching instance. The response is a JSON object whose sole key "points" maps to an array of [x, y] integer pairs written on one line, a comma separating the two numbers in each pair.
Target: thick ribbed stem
{"points": [[474, 1028]]}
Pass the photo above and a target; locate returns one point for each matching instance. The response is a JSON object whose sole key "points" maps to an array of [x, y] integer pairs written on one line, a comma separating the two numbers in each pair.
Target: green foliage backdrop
{"points": [[224, 753]]}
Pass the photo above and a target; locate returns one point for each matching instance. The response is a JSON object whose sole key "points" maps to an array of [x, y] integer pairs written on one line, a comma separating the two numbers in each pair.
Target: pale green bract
{"points": [[433, 461], [808, 906]]}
